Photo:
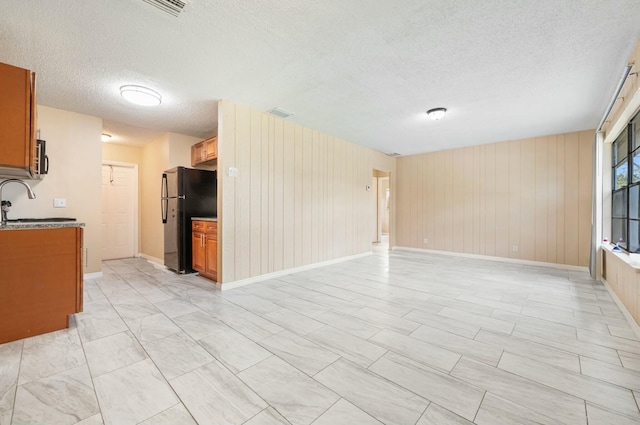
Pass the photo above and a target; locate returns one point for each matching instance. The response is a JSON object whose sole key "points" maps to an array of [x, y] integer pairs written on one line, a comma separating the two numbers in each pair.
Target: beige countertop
{"points": [[41, 225], [205, 218]]}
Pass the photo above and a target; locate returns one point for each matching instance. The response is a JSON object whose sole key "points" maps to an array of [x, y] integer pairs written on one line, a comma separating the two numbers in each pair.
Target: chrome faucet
{"points": [[4, 205]]}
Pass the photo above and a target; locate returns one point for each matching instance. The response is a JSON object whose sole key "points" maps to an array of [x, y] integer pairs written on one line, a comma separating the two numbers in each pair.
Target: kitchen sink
{"points": [[41, 220]]}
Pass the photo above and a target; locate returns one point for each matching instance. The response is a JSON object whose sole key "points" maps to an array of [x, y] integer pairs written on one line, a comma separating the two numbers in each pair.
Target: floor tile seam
{"points": [[534, 343], [636, 398], [553, 322], [57, 371], [15, 391], [181, 401], [332, 404], [335, 350], [424, 411], [573, 395], [579, 354], [170, 385], [238, 377], [531, 382], [93, 384], [600, 344], [609, 382], [474, 340], [355, 318], [376, 375], [479, 406], [257, 314], [616, 412], [539, 412]]}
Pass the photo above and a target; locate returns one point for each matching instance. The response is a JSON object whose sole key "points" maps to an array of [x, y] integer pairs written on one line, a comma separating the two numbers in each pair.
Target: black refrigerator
{"points": [[186, 193]]}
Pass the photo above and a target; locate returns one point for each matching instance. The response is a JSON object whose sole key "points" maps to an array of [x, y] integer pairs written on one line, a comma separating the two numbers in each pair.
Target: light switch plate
{"points": [[59, 203], [233, 172]]}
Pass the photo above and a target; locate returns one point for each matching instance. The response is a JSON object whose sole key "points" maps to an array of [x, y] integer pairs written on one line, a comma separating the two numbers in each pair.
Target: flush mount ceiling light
{"points": [[437, 113], [106, 137], [141, 95]]}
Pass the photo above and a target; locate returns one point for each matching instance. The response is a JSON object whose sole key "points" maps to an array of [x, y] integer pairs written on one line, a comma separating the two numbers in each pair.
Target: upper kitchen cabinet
{"points": [[204, 152], [17, 121]]}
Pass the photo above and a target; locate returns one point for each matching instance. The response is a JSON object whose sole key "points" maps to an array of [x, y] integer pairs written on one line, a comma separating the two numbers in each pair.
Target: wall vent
{"points": [[172, 7], [393, 154], [279, 113]]}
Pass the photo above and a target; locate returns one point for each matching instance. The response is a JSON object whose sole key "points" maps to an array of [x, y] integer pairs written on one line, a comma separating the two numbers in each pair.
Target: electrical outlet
{"points": [[59, 203], [233, 172], [426, 241], [514, 248]]}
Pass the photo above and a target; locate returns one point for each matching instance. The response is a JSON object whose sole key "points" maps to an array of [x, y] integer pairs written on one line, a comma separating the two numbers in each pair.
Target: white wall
{"points": [[74, 150], [170, 150]]}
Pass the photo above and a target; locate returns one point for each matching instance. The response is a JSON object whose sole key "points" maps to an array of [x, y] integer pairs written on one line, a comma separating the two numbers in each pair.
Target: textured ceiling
{"points": [[363, 70]]}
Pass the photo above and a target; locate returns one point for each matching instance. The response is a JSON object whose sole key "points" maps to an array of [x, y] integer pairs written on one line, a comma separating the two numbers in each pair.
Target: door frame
{"points": [[136, 196], [378, 173]]}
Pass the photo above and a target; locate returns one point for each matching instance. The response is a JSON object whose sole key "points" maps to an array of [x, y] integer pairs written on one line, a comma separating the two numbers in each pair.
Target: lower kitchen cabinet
{"points": [[205, 248], [211, 256], [41, 280]]}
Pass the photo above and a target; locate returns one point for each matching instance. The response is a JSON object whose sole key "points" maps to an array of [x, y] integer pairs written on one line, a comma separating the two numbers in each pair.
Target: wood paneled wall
{"points": [[299, 198], [624, 281], [534, 194]]}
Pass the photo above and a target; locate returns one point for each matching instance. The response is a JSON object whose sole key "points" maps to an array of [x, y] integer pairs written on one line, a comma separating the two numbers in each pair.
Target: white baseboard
{"points": [[499, 259], [627, 315], [152, 259], [94, 275], [250, 280]]}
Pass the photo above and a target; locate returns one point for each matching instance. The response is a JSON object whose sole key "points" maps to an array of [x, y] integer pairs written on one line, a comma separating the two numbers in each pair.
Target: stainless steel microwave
{"points": [[42, 160]]}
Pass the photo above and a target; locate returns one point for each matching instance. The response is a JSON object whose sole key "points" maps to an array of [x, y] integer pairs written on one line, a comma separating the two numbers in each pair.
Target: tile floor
{"points": [[400, 338]]}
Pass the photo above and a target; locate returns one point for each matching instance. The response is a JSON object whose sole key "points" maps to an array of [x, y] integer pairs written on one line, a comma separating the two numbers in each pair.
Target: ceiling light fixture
{"points": [[106, 137], [139, 95], [437, 113]]}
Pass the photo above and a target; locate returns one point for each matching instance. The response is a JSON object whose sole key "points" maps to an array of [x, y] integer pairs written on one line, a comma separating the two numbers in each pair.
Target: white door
{"points": [[119, 192]]}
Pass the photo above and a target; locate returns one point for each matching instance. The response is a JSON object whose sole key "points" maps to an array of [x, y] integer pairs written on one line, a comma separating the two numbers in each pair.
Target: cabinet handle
{"points": [[202, 240]]}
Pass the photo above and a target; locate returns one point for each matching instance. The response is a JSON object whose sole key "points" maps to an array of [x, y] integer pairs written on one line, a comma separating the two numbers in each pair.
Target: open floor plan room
{"points": [[391, 338]]}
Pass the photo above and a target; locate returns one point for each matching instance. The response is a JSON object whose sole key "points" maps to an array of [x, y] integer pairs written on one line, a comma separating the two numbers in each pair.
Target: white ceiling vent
{"points": [[172, 7], [279, 113], [393, 154]]}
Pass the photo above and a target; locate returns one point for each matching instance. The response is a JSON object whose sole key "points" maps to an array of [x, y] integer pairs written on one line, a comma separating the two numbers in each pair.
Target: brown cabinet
{"points": [[211, 148], [198, 249], [204, 152], [17, 121], [42, 280], [205, 248]]}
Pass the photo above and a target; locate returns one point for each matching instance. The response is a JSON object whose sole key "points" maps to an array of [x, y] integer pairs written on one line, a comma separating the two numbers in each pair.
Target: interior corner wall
{"points": [[74, 151], [299, 197], [180, 149], [524, 199], [155, 160]]}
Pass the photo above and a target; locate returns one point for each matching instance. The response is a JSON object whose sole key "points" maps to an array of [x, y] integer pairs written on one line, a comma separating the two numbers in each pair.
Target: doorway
{"points": [[119, 210], [380, 197]]}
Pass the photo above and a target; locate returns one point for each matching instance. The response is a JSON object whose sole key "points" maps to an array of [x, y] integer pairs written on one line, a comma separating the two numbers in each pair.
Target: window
{"points": [[625, 213]]}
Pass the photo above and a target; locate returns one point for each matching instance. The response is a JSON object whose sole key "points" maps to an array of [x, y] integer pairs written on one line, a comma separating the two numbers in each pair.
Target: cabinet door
{"points": [[211, 148], [212, 257], [17, 117], [198, 153], [198, 251], [41, 283]]}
